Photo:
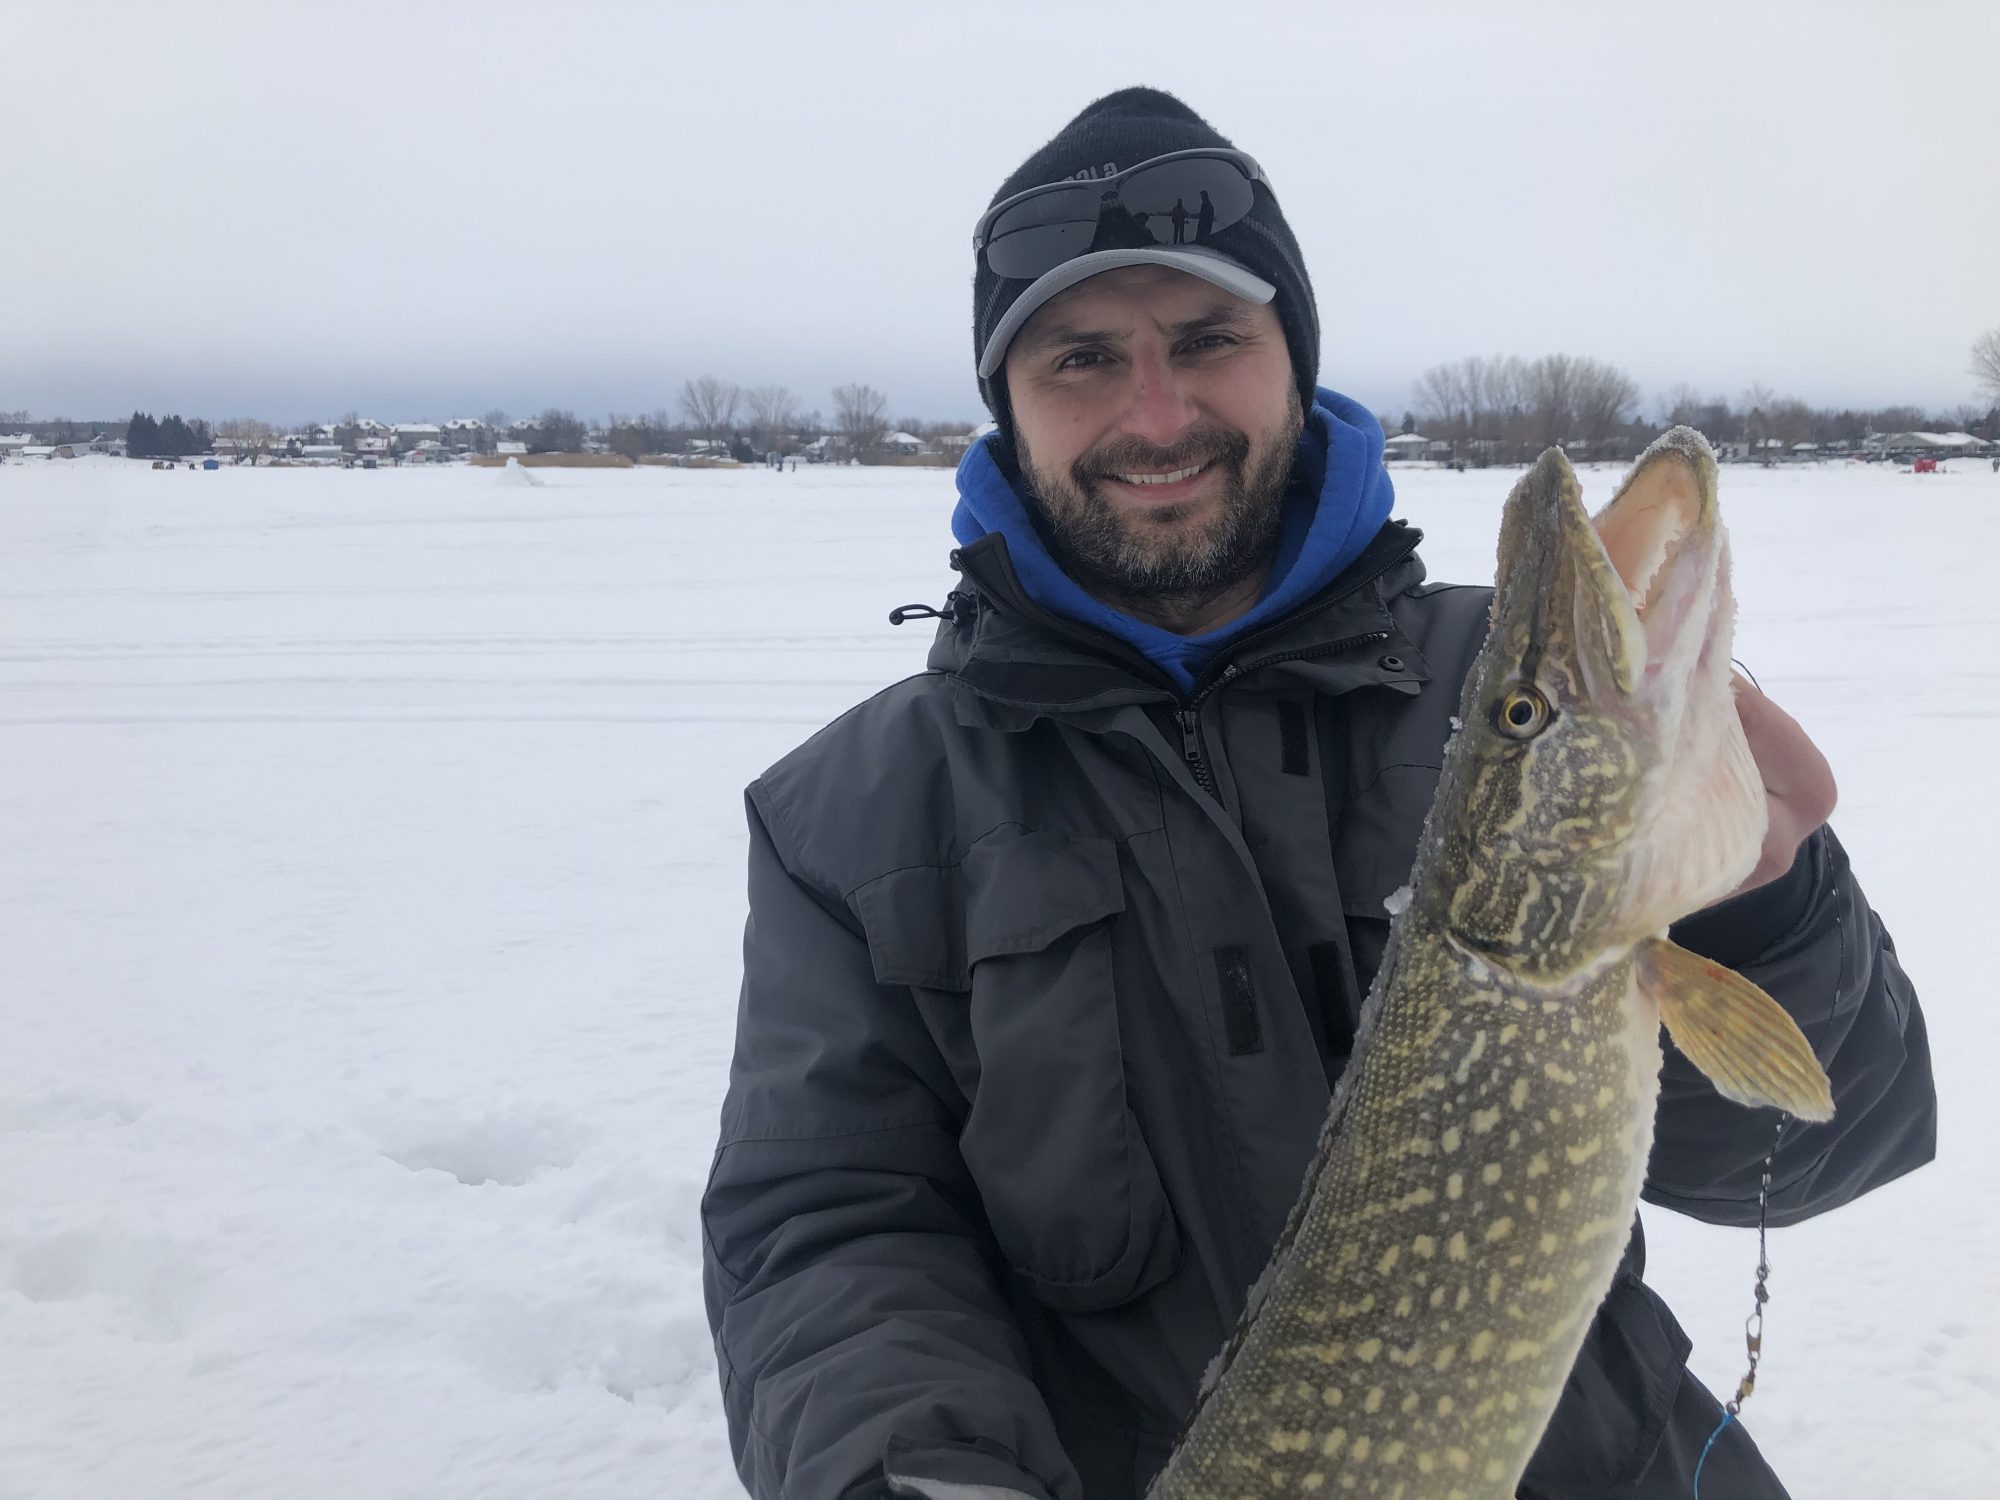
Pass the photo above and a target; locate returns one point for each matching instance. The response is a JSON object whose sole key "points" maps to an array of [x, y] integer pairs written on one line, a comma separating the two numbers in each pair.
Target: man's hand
{"points": [[1798, 783]]}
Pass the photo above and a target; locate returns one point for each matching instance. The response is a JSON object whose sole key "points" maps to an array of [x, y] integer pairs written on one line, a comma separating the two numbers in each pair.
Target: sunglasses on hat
{"points": [[1181, 198]]}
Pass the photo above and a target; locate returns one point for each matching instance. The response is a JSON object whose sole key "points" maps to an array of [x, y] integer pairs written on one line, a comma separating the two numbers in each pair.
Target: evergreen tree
{"points": [[175, 439], [142, 436]]}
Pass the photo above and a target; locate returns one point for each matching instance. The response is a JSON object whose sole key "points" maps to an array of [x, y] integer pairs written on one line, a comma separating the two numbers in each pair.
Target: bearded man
{"points": [[1056, 950]]}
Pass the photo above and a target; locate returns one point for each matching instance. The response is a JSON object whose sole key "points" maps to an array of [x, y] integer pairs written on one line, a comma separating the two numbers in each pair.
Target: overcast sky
{"points": [[422, 210]]}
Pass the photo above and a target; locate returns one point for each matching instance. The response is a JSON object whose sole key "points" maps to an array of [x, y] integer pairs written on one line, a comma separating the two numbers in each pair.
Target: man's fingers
{"points": [[1794, 770]]}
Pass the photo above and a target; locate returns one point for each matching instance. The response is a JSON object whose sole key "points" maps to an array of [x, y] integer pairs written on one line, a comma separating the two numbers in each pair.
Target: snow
{"points": [[372, 926]]}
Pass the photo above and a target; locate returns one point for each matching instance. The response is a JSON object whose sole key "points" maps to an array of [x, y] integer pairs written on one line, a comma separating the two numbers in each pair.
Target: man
{"points": [[1055, 950]]}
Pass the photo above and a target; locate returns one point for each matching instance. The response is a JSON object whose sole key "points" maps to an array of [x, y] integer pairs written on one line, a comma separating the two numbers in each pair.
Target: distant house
{"points": [[953, 442], [412, 435], [38, 451], [1405, 446], [70, 450], [505, 448], [321, 453], [902, 442], [1933, 444], [14, 442], [465, 433]]}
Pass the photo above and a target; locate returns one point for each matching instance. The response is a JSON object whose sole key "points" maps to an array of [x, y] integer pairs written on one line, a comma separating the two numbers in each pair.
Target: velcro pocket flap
{"points": [[1015, 892]]}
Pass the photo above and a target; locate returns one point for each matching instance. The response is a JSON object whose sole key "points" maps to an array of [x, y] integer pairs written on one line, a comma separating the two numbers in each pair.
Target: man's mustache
{"points": [[1203, 445]]}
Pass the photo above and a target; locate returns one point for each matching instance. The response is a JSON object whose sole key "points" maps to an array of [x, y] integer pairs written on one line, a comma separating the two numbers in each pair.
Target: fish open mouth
{"points": [[1662, 537]]}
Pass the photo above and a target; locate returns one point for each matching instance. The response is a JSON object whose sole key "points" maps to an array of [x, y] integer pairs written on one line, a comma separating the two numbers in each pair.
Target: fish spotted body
{"points": [[1482, 1160]]}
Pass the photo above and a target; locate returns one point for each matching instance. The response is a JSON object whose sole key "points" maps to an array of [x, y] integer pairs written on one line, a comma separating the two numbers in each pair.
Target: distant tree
{"points": [[142, 436], [1986, 362], [1684, 406], [710, 405], [252, 437], [773, 411], [1409, 421], [858, 417], [1605, 399], [177, 439], [1476, 400], [557, 431], [631, 436], [1789, 420], [1551, 392], [1899, 419], [496, 419]]}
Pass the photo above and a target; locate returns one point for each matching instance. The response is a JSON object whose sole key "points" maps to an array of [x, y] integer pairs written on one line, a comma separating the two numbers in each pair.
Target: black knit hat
{"points": [[1120, 131]]}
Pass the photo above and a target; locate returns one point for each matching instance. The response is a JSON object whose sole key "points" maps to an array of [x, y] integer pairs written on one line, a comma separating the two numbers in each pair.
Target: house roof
{"points": [[1406, 440], [1932, 440]]}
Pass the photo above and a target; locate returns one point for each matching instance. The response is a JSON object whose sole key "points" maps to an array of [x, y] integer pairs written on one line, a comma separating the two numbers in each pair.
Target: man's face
{"points": [[1157, 420]]}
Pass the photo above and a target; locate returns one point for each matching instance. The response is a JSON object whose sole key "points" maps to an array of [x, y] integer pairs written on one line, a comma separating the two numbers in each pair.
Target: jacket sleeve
{"points": [[1811, 942], [851, 1283]]}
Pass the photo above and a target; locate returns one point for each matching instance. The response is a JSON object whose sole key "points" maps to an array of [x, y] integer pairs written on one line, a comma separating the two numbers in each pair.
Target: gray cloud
{"points": [[420, 210]]}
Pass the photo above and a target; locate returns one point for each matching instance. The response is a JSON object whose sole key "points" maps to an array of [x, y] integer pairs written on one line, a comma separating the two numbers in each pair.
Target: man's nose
{"points": [[1162, 407]]}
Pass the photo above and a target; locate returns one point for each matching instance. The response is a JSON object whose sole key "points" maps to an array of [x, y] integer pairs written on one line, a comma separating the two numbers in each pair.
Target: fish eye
{"points": [[1522, 714]]}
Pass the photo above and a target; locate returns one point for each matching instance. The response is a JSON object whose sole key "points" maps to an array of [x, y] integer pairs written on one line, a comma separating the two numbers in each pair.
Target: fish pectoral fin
{"points": [[1740, 1038]]}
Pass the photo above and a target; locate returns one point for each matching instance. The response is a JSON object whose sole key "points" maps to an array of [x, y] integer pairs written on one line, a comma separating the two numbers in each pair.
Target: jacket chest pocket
{"points": [[1016, 940]]}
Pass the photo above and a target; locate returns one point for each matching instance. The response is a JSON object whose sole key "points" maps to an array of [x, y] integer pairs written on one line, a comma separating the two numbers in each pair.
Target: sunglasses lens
{"points": [[1184, 202], [1042, 232]]}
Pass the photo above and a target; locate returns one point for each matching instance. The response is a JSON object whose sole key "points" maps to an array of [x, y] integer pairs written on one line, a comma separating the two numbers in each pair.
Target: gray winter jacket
{"points": [[1047, 974]]}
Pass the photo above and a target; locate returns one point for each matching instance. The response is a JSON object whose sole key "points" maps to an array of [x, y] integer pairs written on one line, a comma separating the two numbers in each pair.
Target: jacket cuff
{"points": [[1744, 928], [975, 1469]]}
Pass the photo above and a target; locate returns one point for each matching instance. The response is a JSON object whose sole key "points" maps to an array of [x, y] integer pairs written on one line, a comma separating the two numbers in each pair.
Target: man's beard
{"points": [[1152, 560]]}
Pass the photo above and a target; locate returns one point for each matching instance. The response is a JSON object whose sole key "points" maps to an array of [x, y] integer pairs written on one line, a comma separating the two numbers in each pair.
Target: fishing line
{"points": [[1753, 1326]]}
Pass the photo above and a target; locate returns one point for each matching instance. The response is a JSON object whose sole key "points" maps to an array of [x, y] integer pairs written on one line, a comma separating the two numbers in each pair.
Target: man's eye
{"points": [[1207, 341], [1080, 359]]}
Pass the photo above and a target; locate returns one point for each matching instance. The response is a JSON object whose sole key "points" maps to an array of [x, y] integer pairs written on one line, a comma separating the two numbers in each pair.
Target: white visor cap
{"points": [[1210, 265]]}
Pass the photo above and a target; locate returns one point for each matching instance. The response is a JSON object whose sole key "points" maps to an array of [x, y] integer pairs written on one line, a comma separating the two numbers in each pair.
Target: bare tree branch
{"points": [[1986, 362], [710, 405], [858, 416]]}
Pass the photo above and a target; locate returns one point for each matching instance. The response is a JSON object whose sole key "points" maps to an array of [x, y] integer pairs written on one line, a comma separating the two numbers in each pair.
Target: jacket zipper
{"points": [[1189, 714]]}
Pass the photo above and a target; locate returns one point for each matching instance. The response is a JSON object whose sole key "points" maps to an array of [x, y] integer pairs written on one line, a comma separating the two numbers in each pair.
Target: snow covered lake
{"points": [[371, 914]]}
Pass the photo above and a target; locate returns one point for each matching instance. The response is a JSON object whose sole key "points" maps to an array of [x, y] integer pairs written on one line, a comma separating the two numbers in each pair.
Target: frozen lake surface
{"points": [[372, 909]]}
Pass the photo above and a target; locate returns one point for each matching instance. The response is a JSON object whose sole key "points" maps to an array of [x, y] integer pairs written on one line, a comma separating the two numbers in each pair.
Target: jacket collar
{"points": [[1002, 647]]}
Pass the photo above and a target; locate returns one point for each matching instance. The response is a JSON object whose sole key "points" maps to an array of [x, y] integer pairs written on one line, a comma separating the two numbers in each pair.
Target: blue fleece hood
{"points": [[1339, 498]]}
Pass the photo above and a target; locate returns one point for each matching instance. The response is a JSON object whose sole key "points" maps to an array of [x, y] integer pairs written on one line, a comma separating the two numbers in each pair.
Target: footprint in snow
{"points": [[66, 1109], [509, 1146]]}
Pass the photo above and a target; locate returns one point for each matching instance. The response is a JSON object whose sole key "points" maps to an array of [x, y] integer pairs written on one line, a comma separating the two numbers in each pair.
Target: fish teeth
{"points": [[1174, 476]]}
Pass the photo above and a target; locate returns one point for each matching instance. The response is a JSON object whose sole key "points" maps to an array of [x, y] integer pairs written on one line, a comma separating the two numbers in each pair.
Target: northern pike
{"points": [[1480, 1167]]}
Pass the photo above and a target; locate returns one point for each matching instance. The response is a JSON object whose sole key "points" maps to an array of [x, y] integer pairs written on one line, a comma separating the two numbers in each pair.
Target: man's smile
{"points": [[1163, 484]]}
